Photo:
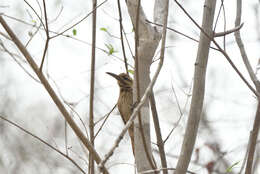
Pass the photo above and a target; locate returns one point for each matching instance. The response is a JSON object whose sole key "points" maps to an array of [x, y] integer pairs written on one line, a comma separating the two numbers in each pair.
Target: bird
{"points": [[125, 100]]}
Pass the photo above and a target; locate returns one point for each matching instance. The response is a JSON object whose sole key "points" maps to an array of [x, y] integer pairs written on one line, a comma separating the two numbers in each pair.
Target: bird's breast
{"points": [[125, 103]]}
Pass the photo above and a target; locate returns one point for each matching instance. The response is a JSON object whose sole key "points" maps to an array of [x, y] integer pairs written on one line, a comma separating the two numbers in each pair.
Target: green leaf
{"points": [[229, 169], [74, 31], [131, 71], [110, 48], [103, 29]]}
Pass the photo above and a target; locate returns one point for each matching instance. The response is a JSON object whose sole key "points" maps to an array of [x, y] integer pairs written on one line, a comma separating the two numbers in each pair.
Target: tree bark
{"points": [[149, 38]]}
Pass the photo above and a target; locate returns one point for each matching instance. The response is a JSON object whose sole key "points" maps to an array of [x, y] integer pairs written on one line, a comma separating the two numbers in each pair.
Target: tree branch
{"points": [[52, 93], [121, 35], [160, 142], [221, 50], [237, 28], [92, 86], [44, 142], [256, 126]]}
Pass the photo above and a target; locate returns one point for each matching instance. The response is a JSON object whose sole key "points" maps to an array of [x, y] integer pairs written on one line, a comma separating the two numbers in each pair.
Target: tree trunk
{"points": [[149, 38], [198, 88]]}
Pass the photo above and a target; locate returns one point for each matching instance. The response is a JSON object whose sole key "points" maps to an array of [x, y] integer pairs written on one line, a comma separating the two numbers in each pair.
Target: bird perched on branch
{"points": [[125, 100]]}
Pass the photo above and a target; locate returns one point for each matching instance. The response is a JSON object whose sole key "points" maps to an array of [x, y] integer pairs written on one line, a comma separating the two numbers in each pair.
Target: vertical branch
{"points": [[222, 7], [242, 48], [160, 142], [47, 35], [121, 34], [253, 141], [66, 136], [256, 126], [92, 87], [136, 51], [140, 123], [46, 29], [198, 88], [152, 99]]}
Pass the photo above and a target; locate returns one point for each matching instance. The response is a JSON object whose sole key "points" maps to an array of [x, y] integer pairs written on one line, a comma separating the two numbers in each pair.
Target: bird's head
{"points": [[123, 80]]}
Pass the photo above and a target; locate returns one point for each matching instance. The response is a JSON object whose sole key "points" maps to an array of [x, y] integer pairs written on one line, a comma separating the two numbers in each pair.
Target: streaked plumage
{"points": [[125, 100]]}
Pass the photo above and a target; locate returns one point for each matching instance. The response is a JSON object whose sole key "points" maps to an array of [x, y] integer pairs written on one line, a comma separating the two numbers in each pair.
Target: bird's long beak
{"points": [[114, 75]]}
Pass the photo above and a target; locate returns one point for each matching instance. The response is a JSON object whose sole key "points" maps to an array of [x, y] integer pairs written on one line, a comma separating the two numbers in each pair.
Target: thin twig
{"points": [[40, 19], [220, 9], [220, 34], [56, 17], [180, 33], [72, 26], [68, 36], [71, 106], [42, 141], [47, 35], [128, 44], [103, 123], [180, 110], [32, 35], [121, 35], [37, 28], [23, 68]]}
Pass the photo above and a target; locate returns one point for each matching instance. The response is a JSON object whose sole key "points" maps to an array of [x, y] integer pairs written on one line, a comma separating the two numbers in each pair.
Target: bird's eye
{"points": [[126, 78]]}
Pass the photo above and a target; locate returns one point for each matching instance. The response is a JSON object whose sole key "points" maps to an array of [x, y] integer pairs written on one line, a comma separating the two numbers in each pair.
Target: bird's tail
{"points": [[131, 134]]}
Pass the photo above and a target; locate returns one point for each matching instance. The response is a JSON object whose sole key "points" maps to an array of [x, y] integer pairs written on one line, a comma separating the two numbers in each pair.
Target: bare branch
{"points": [[20, 64], [245, 157], [221, 50], [253, 141], [92, 87], [68, 36], [39, 17], [42, 141], [256, 126], [220, 34], [180, 33], [79, 20], [222, 7], [52, 93], [47, 35], [121, 35], [103, 123], [160, 142]]}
